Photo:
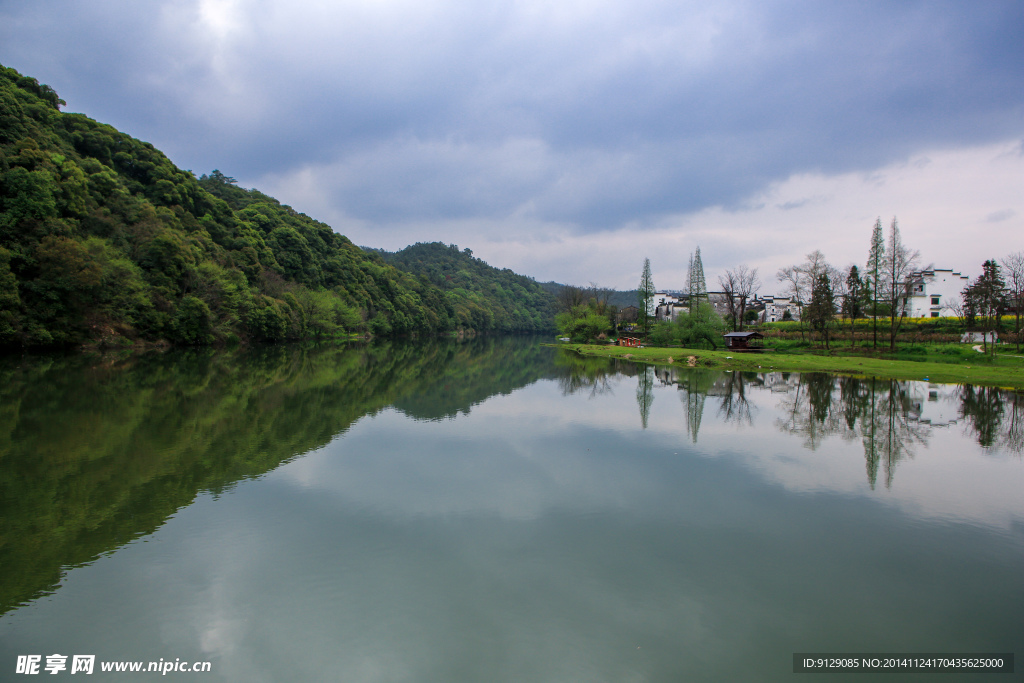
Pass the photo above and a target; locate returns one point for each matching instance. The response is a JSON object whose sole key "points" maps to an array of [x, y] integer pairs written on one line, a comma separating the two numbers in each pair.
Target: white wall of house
{"points": [[932, 291], [670, 311], [720, 302], [775, 308]]}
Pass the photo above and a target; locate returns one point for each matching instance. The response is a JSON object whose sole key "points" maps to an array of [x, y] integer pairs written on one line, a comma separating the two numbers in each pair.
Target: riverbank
{"points": [[982, 372]]}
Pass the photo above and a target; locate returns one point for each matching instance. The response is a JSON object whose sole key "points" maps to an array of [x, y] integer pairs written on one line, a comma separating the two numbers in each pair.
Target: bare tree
{"points": [[598, 298], [899, 263], [749, 286], [800, 278], [815, 265], [570, 297], [729, 285], [955, 306], [1014, 273], [796, 286]]}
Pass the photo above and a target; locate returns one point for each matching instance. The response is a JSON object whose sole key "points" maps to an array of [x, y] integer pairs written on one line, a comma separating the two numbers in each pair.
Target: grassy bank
{"points": [[1002, 372]]}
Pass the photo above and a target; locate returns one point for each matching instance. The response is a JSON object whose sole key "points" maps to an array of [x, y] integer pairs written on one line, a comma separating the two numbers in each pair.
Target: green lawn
{"points": [[1003, 371]]}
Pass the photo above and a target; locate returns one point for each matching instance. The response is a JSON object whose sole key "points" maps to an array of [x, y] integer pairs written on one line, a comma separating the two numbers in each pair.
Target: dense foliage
{"points": [[103, 239], [480, 296], [703, 328]]}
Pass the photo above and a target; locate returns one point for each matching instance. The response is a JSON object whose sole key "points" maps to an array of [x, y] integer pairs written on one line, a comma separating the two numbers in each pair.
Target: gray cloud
{"points": [[1000, 216], [592, 116]]}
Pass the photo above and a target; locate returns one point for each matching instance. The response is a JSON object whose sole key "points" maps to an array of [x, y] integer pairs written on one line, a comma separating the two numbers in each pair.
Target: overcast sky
{"points": [[569, 140]]}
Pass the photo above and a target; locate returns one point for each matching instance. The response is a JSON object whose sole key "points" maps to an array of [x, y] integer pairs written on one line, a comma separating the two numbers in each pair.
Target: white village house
{"points": [[775, 308], [668, 305], [930, 292]]}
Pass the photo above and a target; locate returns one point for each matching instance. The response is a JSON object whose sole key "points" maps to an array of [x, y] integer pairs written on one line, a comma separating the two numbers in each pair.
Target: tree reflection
{"points": [[97, 452], [645, 393], [695, 384], [578, 373], [734, 406], [888, 416], [994, 417], [983, 409], [808, 409], [890, 429], [1013, 437], [878, 411]]}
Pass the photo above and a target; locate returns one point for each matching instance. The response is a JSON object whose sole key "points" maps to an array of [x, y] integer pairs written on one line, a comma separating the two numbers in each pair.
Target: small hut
{"points": [[742, 341]]}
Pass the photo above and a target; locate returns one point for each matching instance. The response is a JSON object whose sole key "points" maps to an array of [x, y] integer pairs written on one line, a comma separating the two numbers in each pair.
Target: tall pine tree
{"points": [[645, 296], [698, 287], [874, 274], [822, 308]]}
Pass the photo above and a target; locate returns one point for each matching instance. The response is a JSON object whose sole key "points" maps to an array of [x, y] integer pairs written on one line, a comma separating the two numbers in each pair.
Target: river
{"points": [[495, 510]]}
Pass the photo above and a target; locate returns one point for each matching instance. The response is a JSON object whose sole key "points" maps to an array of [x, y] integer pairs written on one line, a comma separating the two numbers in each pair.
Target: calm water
{"points": [[495, 511]]}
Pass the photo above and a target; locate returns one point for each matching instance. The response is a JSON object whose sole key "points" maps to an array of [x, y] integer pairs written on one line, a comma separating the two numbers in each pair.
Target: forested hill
{"points": [[618, 298], [482, 297], [102, 238]]}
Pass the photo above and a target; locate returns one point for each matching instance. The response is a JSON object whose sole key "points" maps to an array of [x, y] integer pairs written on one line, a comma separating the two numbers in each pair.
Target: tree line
{"points": [[822, 293], [878, 290], [883, 288]]}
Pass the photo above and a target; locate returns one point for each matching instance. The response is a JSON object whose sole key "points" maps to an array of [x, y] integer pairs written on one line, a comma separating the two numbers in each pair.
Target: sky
{"points": [[570, 140]]}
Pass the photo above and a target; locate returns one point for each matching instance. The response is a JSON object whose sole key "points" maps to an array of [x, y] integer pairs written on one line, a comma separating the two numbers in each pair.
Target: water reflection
{"points": [[578, 374], [645, 393], [994, 416], [734, 406], [95, 452], [537, 535], [695, 385], [891, 418]]}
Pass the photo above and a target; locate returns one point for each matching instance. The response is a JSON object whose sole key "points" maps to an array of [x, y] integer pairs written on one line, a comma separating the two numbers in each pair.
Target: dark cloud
{"points": [[593, 116], [1000, 216]]}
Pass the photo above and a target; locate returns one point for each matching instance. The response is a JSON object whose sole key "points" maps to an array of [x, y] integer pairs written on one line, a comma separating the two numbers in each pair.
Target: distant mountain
{"points": [[103, 239], [481, 297], [615, 297]]}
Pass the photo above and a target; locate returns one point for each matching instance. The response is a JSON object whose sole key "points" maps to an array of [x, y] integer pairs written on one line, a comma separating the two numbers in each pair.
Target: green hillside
{"points": [[103, 239], [481, 297]]}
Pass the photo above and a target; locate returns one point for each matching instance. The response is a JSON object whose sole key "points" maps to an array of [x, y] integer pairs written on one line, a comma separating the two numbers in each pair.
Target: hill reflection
{"points": [[97, 452]]}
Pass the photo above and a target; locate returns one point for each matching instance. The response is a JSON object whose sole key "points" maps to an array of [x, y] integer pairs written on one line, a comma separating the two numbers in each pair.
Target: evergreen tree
{"points": [[645, 297], [853, 299], [689, 280], [986, 297], [698, 287], [898, 265], [874, 275], [821, 310]]}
